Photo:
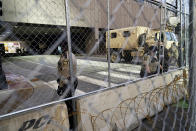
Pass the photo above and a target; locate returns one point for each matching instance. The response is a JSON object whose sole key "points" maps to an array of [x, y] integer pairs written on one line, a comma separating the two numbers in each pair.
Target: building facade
{"points": [[48, 17]]}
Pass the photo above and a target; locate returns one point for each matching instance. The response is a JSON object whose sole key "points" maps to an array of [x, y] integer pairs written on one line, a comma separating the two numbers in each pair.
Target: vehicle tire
{"points": [[142, 40], [128, 57], [115, 57], [2, 50], [18, 52], [146, 48], [2, 53]]}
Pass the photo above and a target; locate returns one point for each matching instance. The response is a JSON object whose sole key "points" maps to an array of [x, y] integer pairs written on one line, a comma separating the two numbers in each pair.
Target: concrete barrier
{"points": [[123, 107], [116, 108], [22, 98], [53, 118]]}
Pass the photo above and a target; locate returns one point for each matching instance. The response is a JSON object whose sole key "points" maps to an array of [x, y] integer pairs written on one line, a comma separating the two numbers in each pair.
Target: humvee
{"points": [[127, 42], [132, 42]]}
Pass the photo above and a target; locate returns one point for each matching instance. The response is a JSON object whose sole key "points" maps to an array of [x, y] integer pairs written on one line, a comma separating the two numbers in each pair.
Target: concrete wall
{"points": [[52, 118], [34, 11], [122, 108], [127, 13], [83, 13], [26, 97]]}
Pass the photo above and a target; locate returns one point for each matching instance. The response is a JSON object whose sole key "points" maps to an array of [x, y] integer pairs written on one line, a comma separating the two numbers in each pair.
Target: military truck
{"points": [[132, 42], [127, 43]]}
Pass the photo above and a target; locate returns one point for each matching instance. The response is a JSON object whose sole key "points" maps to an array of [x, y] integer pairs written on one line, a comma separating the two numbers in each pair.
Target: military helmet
{"points": [[64, 47]]}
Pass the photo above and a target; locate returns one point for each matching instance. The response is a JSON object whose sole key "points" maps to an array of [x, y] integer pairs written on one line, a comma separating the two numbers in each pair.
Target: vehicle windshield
{"points": [[168, 36], [174, 37]]}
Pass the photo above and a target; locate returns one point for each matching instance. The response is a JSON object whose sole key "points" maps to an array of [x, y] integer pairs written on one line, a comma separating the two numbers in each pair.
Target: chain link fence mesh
{"points": [[112, 41]]}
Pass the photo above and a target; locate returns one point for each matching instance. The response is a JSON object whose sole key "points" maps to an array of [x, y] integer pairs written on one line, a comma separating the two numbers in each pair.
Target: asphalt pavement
{"points": [[92, 72]]}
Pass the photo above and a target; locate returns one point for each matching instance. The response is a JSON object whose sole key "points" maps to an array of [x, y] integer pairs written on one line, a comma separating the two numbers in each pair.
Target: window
{"points": [[113, 35], [126, 33], [174, 37], [156, 37], [162, 37], [168, 36]]}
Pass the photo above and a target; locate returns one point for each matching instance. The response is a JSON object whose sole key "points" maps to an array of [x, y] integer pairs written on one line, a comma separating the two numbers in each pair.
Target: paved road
{"points": [[92, 74]]}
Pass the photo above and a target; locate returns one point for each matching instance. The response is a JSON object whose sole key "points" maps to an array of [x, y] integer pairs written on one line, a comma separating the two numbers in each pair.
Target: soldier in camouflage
{"points": [[173, 54], [150, 63], [64, 79]]}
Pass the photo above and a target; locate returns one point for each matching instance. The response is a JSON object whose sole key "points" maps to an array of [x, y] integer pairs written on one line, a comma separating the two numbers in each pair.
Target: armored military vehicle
{"points": [[132, 42], [127, 43]]}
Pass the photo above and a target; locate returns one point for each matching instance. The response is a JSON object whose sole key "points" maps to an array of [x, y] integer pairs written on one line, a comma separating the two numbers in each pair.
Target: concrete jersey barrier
{"points": [[115, 108], [123, 107]]}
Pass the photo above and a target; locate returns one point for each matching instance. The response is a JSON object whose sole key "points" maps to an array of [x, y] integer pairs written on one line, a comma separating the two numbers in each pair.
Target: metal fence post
{"points": [[192, 64], [181, 41], [164, 24], [160, 39], [108, 45], [185, 37], [74, 122]]}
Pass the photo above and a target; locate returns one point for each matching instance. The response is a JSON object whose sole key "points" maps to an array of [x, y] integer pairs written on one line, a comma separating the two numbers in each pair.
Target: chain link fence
{"points": [[134, 64]]}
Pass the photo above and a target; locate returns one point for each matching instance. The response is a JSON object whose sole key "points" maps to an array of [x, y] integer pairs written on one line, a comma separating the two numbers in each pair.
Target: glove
{"points": [[60, 90]]}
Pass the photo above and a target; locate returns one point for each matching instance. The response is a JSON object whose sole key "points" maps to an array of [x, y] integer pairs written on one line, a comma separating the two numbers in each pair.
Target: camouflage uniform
{"points": [[64, 74], [150, 62], [64, 81], [173, 54]]}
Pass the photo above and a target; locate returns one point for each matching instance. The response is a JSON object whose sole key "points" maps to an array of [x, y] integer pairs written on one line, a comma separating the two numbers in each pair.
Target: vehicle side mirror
{"points": [[59, 50]]}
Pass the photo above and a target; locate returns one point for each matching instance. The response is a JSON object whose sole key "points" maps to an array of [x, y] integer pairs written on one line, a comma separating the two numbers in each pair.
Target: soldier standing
{"points": [[150, 63], [173, 53], [64, 80]]}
